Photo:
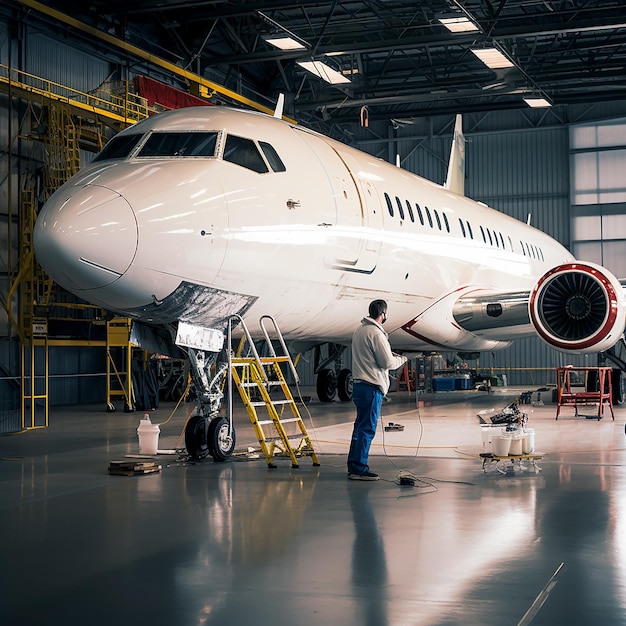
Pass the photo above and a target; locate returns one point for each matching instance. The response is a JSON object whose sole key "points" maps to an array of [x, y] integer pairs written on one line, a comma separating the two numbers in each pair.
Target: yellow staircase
{"points": [[255, 378]]}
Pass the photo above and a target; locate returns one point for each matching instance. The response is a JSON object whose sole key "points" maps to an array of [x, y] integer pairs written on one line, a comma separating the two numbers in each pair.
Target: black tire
{"points": [[344, 385], [221, 440], [196, 437], [326, 385]]}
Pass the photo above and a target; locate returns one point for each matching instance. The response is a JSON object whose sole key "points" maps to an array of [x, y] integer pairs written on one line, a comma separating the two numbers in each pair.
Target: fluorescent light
{"points": [[492, 58], [458, 24], [284, 42], [536, 102], [321, 70]]}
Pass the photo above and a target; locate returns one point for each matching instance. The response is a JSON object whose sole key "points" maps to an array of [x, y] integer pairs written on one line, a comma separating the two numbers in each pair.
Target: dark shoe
{"points": [[366, 476]]}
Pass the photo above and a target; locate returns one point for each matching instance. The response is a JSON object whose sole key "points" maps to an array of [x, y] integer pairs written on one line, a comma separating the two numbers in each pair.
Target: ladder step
{"points": [[285, 421], [273, 402], [271, 383]]}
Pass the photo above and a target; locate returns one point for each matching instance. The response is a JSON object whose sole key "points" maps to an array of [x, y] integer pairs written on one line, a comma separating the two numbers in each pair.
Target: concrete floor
{"points": [[235, 543]]}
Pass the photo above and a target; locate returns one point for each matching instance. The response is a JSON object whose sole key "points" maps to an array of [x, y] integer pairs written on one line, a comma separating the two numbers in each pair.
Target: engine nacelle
{"points": [[578, 307]]}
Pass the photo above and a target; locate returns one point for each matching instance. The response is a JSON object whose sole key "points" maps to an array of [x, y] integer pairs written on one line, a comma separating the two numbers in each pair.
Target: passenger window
{"points": [[462, 227], [445, 219], [119, 147], [419, 214], [187, 144], [489, 235], [469, 230], [400, 209], [410, 210], [510, 243], [389, 204], [272, 157], [242, 151], [437, 218], [502, 240], [430, 219], [482, 232]]}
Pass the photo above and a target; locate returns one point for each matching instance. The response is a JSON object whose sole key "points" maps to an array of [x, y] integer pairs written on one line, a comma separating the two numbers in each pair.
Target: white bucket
{"points": [[516, 446], [486, 434], [529, 441], [148, 436], [501, 445]]}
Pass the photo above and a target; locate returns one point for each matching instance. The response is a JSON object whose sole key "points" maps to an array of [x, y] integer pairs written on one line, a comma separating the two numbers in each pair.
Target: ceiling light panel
{"points": [[492, 58], [323, 71], [458, 24]]}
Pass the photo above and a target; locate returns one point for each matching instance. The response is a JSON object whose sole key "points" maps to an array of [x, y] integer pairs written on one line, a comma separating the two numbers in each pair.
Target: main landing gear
{"points": [[332, 381]]}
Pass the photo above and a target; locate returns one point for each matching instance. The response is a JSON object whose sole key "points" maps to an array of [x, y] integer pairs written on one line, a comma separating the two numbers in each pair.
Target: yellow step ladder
{"points": [[255, 377]]}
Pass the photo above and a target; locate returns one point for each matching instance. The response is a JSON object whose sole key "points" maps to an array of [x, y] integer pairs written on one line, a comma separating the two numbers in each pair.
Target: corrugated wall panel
{"points": [[52, 60]]}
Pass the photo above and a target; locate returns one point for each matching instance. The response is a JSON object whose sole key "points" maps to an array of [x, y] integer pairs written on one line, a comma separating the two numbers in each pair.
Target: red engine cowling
{"points": [[578, 307]]}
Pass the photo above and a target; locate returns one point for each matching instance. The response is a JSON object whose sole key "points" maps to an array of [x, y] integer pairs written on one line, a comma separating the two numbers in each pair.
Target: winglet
{"points": [[455, 181], [280, 103]]}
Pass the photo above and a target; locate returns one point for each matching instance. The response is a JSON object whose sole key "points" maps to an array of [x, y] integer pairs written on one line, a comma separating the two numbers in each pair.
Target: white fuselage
{"points": [[311, 245]]}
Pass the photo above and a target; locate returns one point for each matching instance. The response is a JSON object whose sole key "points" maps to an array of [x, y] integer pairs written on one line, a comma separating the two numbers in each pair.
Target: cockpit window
{"points": [[187, 144], [272, 157], [119, 147], [244, 152]]}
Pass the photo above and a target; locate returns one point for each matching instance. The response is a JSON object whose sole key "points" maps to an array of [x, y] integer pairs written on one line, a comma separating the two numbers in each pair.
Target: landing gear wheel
{"points": [[344, 385], [196, 437], [326, 385], [220, 439]]}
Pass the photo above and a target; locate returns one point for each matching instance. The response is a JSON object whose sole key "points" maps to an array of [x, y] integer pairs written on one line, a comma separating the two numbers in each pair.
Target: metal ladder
{"points": [[255, 374]]}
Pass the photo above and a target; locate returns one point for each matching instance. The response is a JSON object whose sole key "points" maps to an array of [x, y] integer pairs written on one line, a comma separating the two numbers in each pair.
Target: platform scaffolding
{"points": [[255, 377]]}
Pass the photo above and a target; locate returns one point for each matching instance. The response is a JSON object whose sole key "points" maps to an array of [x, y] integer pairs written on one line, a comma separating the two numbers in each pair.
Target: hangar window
{"points": [[445, 219], [419, 213], [119, 147], [462, 227], [244, 152], [389, 204], [410, 210], [430, 219], [272, 157], [400, 209], [187, 144]]}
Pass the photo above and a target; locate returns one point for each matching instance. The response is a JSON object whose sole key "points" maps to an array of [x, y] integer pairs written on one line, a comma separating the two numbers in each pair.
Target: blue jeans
{"points": [[368, 400]]}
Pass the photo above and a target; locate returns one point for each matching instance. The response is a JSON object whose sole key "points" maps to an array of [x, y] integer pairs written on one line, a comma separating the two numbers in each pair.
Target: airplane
{"points": [[195, 216]]}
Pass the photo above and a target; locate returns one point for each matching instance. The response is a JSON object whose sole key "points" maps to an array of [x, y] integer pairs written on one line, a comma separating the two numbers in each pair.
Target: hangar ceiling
{"points": [[400, 59]]}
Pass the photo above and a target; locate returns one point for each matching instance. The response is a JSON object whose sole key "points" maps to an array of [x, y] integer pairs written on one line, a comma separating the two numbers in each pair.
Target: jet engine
{"points": [[578, 307]]}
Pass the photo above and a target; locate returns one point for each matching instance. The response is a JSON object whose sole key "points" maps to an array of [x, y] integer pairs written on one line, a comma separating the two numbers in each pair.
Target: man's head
{"points": [[378, 309]]}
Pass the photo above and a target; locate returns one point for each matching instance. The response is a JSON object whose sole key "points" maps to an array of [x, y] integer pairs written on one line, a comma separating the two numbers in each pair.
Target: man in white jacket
{"points": [[372, 359]]}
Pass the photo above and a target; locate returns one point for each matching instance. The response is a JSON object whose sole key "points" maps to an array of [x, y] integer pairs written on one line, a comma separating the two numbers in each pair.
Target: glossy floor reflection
{"points": [[236, 543]]}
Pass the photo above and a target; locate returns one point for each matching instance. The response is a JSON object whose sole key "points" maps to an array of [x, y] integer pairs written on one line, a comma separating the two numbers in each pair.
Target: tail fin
{"points": [[455, 181]]}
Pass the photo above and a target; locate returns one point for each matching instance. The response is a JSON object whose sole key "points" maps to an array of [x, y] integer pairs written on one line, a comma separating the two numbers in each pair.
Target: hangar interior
{"points": [[545, 138]]}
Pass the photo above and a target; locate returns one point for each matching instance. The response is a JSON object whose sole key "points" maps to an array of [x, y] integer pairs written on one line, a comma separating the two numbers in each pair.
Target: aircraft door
{"points": [[347, 247], [372, 220]]}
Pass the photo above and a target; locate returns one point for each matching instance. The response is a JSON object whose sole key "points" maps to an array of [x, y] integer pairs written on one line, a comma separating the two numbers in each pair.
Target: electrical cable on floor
{"points": [[406, 478]]}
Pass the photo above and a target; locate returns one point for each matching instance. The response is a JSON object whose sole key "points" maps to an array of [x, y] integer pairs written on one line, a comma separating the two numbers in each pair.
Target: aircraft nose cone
{"points": [[85, 238]]}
